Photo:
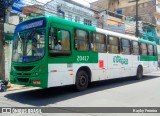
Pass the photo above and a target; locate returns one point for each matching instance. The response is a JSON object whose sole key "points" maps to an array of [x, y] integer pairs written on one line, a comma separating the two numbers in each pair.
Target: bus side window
{"points": [[65, 42], [99, 42], [52, 36], [144, 49], [135, 48], [150, 50], [140, 48], [113, 44], [59, 42], [125, 47], [155, 50], [81, 40]]}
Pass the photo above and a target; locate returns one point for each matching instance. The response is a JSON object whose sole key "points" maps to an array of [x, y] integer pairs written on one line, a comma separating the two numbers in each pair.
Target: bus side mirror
{"points": [[59, 35]]}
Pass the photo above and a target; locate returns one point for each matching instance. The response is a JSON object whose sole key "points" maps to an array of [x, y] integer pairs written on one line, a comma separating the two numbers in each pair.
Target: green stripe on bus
{"points": [[76, 57], [146, 41], [148, 58]]}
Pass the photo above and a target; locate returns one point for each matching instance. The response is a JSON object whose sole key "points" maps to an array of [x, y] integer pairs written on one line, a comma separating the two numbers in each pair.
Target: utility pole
{"points": [[137, 31], [4, 4]]}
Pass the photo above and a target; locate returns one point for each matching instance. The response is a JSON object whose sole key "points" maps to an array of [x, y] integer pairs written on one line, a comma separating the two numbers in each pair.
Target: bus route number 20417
{"points": [[82, 58]]}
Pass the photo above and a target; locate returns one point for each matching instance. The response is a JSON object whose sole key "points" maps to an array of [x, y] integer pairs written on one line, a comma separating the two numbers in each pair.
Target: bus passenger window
{"points": [[135, 48], [125, 46], [155, 50], [59, 42], [81, 40], [98, 42], [65, 40], [52, 37], [144, 49], [113, 46], [150, 50]]}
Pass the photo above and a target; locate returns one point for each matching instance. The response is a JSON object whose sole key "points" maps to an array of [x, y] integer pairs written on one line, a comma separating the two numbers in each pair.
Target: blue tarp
{"points": [[17, 6]]}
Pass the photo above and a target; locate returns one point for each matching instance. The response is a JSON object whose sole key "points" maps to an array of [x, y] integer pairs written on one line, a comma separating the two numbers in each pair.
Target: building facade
{"points": [[157, 16], [112, 21], [71, 10], [146, 16]]}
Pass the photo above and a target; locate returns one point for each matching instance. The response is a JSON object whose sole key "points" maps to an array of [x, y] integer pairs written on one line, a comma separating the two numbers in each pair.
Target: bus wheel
{"points": [[139, 73], [81, 80]]}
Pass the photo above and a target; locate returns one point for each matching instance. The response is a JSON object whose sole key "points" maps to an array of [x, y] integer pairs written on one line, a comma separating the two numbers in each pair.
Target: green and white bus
{"points": [[84, 54]]}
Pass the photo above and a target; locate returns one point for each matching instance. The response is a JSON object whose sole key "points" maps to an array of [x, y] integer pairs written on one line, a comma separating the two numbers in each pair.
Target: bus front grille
{"points": [[25, 74], [24, 80], [24, 68]]}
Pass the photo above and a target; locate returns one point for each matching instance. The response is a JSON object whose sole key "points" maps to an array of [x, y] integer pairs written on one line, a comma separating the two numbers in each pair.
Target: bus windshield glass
{"points": [[29, 46]]}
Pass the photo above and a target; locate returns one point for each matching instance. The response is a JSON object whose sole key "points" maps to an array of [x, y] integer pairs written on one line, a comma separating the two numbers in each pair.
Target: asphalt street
{"points": [[124, 92]]}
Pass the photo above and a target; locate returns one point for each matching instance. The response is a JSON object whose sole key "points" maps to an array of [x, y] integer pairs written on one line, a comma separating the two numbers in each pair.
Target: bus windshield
{"points": [[28, 46]]}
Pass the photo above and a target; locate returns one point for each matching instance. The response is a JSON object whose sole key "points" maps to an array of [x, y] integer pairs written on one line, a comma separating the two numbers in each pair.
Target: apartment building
{"points": [[146, 15], [71, 10]]}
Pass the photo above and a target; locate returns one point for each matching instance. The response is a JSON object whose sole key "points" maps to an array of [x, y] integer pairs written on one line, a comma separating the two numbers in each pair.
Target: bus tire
{"points": [[82, 81], [139, 74]]}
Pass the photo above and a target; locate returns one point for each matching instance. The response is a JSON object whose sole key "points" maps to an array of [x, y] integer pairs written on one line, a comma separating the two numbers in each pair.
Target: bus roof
{"points": [[120, 35]]}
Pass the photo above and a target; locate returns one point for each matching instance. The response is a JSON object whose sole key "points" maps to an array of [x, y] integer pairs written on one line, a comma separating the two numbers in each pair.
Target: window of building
{"points": [[150, 50], [81, 40], [135, 48], [77, 19], [125, 46], [98, 42], [144, 49], [70, 17], [87, 22], [113, 44]]}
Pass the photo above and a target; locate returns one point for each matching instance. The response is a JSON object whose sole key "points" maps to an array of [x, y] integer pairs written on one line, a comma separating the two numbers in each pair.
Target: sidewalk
{"points": [[12, 87]]}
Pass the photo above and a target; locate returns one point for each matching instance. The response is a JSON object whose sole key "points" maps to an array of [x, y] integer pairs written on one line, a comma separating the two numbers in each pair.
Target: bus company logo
{"points": [[118, 59]]}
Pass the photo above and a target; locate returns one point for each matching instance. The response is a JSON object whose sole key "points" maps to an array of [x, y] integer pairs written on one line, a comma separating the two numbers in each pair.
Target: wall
{"points": [[157, 15], [112, 21], [100, 5], [146, 8], [2, 65], [8, 28]]}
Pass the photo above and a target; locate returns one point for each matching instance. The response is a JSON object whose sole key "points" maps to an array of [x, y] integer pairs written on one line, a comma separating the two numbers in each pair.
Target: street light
{"points": [[137, 31]]}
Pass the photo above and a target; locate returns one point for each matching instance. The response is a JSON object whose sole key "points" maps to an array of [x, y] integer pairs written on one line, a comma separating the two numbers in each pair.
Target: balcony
{"points": [[116, 28]]}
